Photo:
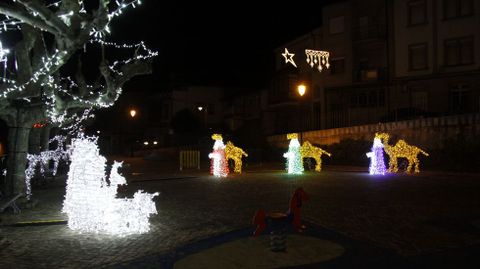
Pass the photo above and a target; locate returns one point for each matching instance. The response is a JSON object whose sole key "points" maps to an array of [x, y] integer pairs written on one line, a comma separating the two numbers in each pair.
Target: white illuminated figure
{"points": [[91, 203], [293, 155], [219, 165]]}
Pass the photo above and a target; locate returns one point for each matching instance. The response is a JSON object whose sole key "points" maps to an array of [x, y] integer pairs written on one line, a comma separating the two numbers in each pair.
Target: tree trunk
{"points": [[45, 137], [17, 159], [34, 141]]}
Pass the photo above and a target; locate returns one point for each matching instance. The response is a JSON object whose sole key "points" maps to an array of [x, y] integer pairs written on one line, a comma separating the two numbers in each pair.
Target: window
{"points": [[420, 100], [417, 57], [337, 66], [457, 8], [459, 51], [211, 109], [417, 12], [459, 97], [336, 25], [372, 98]]}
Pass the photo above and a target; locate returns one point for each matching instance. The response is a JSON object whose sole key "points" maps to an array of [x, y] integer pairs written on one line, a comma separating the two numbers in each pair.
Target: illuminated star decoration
{"points": [[289, 57]]}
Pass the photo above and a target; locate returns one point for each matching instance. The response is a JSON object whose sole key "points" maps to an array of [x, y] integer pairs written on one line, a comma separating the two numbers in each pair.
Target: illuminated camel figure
{"points": [[400, 150], [235, 153], [278, 222], [308, 150]]}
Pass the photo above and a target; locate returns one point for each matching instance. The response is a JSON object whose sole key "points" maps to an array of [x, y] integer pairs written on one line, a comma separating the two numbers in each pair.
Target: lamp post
{"points": [[302, 89], [203, 110], [133, 113]]}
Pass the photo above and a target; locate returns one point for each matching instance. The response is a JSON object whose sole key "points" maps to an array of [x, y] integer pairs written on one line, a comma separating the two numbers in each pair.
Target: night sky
{"points": [[202, 43]]}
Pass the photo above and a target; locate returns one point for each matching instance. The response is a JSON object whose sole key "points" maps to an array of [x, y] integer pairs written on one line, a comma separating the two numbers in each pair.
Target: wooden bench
{"points": [[9, 201]]}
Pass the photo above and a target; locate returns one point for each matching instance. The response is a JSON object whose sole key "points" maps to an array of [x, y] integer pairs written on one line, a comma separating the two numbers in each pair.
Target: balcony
{"points": [[371, 32], [370, 75]]}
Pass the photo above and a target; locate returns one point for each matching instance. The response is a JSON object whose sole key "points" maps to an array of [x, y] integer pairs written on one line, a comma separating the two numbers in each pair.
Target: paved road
{"points": [[412, 216]]}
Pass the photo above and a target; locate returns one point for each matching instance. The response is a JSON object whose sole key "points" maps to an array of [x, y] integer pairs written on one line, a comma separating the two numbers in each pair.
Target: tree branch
{"points": [[23, 16], [48, 16]]}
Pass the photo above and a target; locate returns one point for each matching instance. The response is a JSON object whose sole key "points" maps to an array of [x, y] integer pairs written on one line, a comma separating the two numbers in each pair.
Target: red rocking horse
{"points": [[292, 215]]}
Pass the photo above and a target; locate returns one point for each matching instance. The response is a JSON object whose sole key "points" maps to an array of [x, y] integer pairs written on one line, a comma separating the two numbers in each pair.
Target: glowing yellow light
{"points": [[317, 57], [401, 150], [308, 150], [145, 143], [292, 136], [236, 154], [289, 57], [217, 137], [133, 112], [200, 108], [301, 89]]}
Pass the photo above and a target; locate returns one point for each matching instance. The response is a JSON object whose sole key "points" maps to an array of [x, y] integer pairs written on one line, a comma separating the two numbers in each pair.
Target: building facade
{"points": [[389, 61]]}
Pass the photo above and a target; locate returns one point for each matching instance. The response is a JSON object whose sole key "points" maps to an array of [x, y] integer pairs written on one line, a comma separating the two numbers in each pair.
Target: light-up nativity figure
{"points": [[219, 164], [235, 153], [401, 150], [293, 155], [377, 164], [90, 201], [310, 151]]}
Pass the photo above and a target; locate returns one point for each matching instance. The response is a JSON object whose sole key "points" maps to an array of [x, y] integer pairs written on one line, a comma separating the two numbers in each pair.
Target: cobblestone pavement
{"points": [[410, 215]]}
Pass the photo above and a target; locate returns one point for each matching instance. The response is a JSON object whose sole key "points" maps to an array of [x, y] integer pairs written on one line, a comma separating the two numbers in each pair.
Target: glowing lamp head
{"points": [[133, 113], [301, 89], [200, 108]]}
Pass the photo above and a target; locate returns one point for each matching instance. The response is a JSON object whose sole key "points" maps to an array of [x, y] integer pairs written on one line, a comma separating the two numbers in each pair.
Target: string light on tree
{"points": [[219, 164], [310, 151], [401, 150], [90, 201], [235, 153], [377, 165], [293, 155], [58, 33], [317, 57]]}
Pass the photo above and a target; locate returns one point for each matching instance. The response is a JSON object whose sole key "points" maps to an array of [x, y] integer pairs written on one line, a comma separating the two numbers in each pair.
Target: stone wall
{"points": [[428, 133]]}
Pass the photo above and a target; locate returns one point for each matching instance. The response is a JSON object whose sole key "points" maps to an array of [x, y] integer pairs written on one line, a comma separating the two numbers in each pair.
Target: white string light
{"points": [[91, 203], [43, 160]]}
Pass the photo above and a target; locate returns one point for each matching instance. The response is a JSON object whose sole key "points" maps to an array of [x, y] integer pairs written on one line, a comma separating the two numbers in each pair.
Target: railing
{"points": [[376, 31], [189, 159]]}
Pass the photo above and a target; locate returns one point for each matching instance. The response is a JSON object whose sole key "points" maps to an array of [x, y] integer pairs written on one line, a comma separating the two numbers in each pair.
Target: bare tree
{"points": [[47, 80]]}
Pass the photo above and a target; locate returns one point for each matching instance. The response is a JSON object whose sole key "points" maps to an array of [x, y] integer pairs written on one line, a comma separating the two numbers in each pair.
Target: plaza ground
{"points": [[411, 216]]}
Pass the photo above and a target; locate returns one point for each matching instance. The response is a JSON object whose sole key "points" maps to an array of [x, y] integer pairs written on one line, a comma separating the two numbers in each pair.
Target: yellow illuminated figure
{"points": [[400, 150], [308, 150], [236, 154]]}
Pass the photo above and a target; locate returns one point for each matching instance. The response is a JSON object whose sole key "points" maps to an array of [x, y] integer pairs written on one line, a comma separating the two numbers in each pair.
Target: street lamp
{"points": [[301, 89], [133, 112]]}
